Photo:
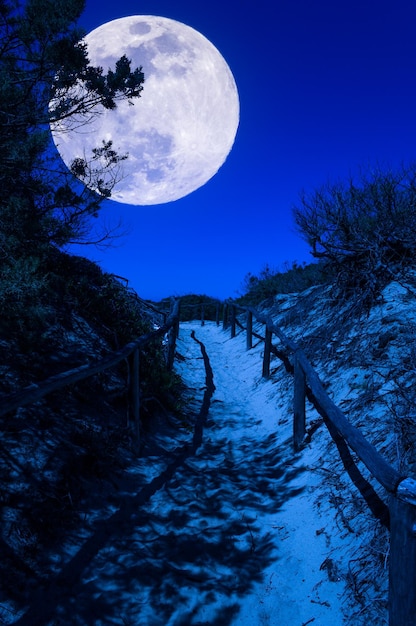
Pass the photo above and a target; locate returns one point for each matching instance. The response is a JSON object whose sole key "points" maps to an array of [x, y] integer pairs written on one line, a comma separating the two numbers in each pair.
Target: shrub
{"points": [[270, 282], [80, 284], [43, 302], [191, 307], [363, 230], [25, 312]]}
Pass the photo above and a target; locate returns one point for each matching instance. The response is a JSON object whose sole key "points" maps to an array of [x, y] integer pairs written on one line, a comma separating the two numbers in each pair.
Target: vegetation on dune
{"points": [[363, 230], [72, 314], [191, 307], [270, 282]]}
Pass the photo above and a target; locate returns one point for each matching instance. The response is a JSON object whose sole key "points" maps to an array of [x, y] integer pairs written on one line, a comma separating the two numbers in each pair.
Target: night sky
{"points": [[325, 87]]}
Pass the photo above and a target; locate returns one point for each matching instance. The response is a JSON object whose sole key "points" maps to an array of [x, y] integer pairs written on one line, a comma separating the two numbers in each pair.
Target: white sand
{"points": [[295, 587]]}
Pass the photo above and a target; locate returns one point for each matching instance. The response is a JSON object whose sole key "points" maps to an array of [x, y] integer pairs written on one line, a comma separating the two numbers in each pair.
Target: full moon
{"points": [[182, 128]]}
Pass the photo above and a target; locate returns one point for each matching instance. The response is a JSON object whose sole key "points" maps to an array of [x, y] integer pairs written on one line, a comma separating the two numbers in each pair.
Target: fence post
{"points": [[217, 314], [266, 355], [202, 315], [232, 321], [249, 337], [134, 397], [402, 566], [299, 402], [225, 317]]}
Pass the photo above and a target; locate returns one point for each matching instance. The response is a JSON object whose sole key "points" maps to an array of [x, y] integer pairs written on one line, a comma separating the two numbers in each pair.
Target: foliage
{"points": [[363, 230], [45, 77], [26, 311], [190, 308], [65, 311], [271, 282], [113, 310], [76, 283]]}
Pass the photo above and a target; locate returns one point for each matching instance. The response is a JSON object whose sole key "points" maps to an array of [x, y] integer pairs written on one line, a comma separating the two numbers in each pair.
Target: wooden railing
{"points": [[204, 310], [400, 515], [129, 353]]}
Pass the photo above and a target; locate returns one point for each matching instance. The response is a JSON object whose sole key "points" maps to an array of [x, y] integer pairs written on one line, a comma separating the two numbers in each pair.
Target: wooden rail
{"points": [[201, 310], [130, 352], [401, 513]]}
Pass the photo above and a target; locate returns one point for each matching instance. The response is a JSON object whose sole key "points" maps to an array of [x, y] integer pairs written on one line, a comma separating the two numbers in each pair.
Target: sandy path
{"points": [[255, 478]]}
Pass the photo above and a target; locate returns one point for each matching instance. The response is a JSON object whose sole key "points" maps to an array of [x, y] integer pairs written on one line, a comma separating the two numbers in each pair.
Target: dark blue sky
{"points": [[325, 86]]}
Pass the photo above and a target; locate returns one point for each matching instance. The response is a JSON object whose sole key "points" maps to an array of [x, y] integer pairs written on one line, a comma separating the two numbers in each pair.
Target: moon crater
{"points": [[181, 130]]}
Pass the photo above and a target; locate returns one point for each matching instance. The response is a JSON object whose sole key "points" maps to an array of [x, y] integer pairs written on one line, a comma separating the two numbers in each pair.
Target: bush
{"points": [[270, 282], [190, 308], [363, 230], [25, 311], [76, 283], [61, 310], [117, 315]]}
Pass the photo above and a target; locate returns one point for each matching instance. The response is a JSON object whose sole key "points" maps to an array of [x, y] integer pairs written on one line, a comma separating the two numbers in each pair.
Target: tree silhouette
{"points": [[45, 78]]}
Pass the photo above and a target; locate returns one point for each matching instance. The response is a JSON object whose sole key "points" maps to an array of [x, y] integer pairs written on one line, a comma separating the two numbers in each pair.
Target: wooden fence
{"points": [[207, 310], [129, 353], [400, 515]]}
